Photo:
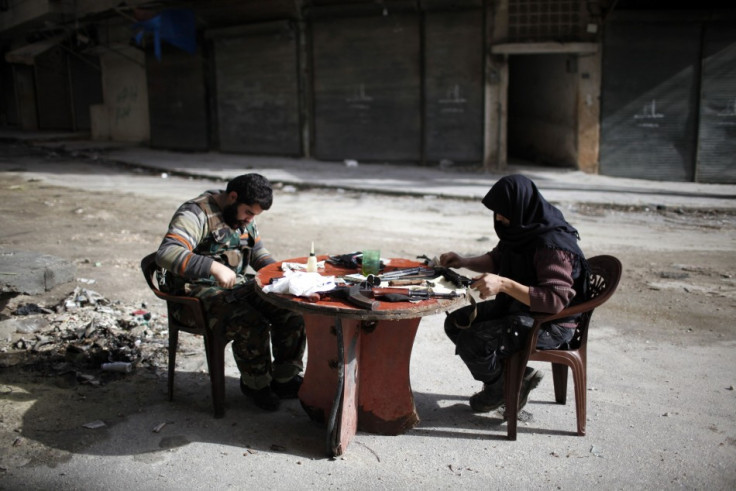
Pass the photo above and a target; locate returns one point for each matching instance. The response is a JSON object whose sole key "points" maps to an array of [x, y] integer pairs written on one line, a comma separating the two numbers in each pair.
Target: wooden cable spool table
{"points": [[357, 374]]}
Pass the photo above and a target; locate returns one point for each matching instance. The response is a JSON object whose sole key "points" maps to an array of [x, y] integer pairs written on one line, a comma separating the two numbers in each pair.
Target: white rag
{"points": [[300, 283]]}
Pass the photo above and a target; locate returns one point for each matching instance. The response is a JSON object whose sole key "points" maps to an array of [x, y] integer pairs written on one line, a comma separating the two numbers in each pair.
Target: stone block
{"points": [[31, 273]]}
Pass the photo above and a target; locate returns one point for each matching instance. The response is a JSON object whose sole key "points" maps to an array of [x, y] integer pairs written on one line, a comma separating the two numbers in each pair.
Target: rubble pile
{"points": [[86, 335]]}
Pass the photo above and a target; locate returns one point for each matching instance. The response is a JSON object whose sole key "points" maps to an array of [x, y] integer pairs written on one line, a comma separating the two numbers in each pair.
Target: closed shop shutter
{"points": [[86, 81], [25, 91], [257, 90], [367, 88], [454, 86], [8, 106], [177, 100], [649, 100], [52, 90], [717, 132]]}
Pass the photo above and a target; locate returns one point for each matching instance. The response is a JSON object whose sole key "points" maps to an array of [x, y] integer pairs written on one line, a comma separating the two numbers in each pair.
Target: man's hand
{"points": [[489, 285], [479, 264], [451, 260], [224, 276]]}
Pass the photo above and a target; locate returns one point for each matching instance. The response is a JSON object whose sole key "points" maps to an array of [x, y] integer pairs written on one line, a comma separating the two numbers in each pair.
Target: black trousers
{"points": [[495, 335]]}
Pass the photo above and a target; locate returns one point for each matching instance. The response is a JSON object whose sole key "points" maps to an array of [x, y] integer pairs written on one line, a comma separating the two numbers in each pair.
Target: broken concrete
{"points": [[31, 273]]}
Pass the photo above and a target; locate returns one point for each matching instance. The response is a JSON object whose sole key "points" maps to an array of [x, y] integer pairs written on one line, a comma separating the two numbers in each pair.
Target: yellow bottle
{"points": [[312, 261]]}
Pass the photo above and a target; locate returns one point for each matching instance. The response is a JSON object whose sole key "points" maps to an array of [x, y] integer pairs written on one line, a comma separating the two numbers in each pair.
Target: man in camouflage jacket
{"points": [[211, 241]]}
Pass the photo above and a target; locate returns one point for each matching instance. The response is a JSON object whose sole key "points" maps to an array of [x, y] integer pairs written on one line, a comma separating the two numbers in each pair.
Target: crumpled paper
{"points": [[301, 283]]}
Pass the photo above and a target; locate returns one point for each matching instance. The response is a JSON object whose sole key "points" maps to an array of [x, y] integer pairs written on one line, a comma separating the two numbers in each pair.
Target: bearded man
{"points": [[211, 241]]}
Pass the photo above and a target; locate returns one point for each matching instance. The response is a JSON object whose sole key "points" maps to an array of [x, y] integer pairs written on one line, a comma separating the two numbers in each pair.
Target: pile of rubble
{"points": [[85, 336]]}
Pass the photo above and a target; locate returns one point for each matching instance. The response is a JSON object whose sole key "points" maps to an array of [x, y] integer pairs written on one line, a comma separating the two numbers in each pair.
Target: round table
{"points": [[357, 374]]}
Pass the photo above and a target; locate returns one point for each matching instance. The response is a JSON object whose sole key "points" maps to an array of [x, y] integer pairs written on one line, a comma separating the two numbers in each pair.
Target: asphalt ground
{"points": [[660, 415]]}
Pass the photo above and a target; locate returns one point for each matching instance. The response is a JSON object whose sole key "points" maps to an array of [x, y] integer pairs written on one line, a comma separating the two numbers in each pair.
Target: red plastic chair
{"points": [[214, 342], [606, 273]]}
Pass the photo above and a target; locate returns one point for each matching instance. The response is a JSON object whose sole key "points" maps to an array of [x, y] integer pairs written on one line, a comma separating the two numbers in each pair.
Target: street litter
{"points": [[83, 334], [118, 366]]}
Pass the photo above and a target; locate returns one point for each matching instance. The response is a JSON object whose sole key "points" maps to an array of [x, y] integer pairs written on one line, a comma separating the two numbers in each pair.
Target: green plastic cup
{"points": [[371, 261]]}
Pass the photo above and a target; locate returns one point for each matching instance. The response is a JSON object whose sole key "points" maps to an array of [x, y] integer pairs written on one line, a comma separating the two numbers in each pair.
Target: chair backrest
{"points": [[194, 319], [150, 268], [605, 274]]}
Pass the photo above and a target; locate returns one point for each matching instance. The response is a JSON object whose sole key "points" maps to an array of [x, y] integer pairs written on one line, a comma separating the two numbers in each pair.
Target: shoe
{"points": [[287, 390], [488, 399], [263, 398], [531, 380]]}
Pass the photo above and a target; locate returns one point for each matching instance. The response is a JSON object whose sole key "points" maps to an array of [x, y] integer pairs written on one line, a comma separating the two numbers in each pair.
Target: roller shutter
{"points": [[649, 100], [453, 110], [717, 131], [86, 88], [257, 89], [52, 90], [367, 88], [177, 100]]}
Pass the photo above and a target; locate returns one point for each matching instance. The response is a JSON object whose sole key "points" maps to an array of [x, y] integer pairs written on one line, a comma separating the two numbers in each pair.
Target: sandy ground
{"points": [[661, 370]]}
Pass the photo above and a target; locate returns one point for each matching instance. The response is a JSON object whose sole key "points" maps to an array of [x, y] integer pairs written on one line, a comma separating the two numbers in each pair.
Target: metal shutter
{"points": [[453, 107], [52, 90], [717, 132], [257, 90], [649, 100], [177, 100], [367, 88]]}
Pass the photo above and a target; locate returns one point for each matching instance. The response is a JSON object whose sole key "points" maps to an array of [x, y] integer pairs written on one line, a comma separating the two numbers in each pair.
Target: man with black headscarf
{"points": [[536, 267]]}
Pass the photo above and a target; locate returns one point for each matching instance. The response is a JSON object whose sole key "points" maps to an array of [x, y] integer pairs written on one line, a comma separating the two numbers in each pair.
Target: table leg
{"points": [[386, 402], [343, 422], [357, 377], [329, 393]]}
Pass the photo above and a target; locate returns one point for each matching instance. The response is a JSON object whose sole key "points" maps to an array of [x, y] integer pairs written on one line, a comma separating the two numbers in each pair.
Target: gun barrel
{"points": [[402, 273]]}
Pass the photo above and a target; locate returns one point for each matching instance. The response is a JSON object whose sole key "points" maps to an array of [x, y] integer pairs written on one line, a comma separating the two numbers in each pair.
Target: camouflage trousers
{"points": [[257, 330]]}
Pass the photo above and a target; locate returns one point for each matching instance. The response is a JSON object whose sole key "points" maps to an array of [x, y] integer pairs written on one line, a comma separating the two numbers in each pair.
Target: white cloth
{"points": [[300, 283]]}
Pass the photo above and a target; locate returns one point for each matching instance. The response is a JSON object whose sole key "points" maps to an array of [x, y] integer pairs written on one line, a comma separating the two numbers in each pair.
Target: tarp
{"points": [[177, 27]]}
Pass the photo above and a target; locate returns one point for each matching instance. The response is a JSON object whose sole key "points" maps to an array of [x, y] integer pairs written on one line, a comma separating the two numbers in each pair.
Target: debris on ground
{"points": [[86, 338]]}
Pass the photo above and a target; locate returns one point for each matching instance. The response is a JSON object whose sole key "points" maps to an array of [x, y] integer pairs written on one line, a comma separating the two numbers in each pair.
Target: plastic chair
{"points": [[606, 273], [214, 342]]}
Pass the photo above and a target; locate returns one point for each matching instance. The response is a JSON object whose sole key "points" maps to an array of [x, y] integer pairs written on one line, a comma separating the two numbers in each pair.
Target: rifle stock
{"points": [[352, 294]]}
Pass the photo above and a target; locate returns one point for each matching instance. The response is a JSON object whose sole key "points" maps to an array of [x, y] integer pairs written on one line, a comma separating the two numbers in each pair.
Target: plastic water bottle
{"points": [[312, 261]]}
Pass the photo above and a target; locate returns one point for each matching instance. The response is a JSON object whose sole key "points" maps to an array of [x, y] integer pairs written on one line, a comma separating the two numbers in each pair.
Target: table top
{"points": [[333, 306]]}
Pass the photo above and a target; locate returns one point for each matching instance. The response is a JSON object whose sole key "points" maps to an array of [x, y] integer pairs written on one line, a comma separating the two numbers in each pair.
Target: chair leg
{"points": [[559, 377], [513, 374], [173, 345], [579, 376], [215, 349]]}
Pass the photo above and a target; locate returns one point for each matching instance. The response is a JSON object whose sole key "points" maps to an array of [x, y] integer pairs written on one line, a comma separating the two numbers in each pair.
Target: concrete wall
{"points": [[588, 108], [124, 116]]}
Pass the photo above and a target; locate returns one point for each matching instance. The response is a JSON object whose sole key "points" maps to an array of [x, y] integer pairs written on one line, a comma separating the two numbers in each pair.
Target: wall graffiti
{"points": [[125, 99]]}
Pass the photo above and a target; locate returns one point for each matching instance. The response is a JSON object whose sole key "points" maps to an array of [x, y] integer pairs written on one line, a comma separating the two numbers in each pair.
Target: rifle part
{"points": [[409, 294], [351, 293]]}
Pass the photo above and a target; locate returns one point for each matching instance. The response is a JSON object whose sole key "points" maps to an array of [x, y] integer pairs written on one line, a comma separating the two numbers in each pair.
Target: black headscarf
{"points": [[534, 222]]}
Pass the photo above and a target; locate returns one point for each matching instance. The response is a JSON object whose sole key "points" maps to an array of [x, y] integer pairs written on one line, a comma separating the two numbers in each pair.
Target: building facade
{"points": [[617, 87]]}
